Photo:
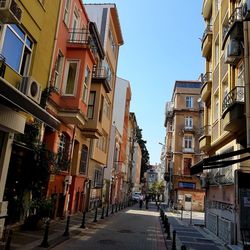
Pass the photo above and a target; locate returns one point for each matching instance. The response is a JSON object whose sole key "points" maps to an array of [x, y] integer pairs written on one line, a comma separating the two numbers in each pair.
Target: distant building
{"points": [[182, 122]]}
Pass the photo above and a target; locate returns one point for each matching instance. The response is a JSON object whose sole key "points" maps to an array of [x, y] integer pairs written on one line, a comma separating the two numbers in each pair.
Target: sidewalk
{"points": [[27, 240], [190, 232]]}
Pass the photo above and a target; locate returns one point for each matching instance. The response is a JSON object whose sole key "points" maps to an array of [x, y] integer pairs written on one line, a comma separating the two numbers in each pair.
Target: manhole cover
{"points": [[125, 231], [107, 242]]}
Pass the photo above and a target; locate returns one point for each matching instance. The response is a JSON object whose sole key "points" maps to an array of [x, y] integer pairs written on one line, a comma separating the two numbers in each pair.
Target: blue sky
{"points": [[161, 45]]}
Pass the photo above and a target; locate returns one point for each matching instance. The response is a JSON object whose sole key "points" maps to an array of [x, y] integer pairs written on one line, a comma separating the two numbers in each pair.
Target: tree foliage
{"points": [[144, 151]]}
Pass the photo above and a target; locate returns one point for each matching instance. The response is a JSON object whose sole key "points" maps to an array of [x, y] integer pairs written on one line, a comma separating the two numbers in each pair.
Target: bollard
{"points": [[83, 220], [181, 212], [174, 240], [168, 232], [165, 221], [107, 211], [45, 242], [102, 216], [190, 217], [95, 218], [112, 208], [7, 245], [66, 232], [116, 207], [183, 247]]}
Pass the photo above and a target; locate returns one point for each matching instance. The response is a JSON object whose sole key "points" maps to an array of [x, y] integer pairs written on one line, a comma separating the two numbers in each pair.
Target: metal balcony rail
{"points": [[2, 65], [236, 16], [100, 73], [207, 31], [206, 78], [79, 36], [205, 130], [236, 95]]}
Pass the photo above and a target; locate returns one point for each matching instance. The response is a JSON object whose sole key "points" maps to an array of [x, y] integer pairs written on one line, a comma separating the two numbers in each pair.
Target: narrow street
{"points": [[131, 229]]}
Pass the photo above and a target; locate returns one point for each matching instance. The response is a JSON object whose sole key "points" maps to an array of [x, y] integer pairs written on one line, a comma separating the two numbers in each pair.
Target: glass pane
{"points": [[29, 43], [71, 78], [12, 49], [18, 31]]}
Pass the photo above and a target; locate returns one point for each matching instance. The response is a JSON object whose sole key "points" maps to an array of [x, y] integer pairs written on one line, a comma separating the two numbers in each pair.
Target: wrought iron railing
{"points": [[206, 78], [207, 31], [236, 95], [79, 36], [206, 130], [100, 73], [236, 16], [2, 65]]}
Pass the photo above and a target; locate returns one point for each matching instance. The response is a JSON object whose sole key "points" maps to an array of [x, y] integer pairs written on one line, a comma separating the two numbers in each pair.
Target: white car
{"points": [[136, 196]]}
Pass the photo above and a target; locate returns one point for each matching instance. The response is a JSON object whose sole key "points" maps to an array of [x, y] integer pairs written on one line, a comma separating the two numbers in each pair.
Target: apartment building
{"points": [[225, 138], [107, 21], [182, 120], [27, 40]]}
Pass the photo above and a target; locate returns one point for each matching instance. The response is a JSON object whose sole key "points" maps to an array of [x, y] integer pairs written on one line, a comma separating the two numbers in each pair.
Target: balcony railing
{"points": [[206, 130], [207, 31], [2, 66], [206, 78], [79, 36], [236, 16], [100, 73], [236, 95]]}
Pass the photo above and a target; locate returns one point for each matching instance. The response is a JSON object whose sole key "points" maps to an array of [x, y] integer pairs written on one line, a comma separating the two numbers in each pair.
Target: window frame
{"points": [[22, 66], [91, 105], [83, 160], [65, 78], [66, 14], [189, 122], [86, 83], [58, 70], [188, 142], [189, 100]]}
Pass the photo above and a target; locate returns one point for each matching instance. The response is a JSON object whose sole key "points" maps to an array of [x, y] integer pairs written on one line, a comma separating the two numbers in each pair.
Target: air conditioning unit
{"points": [[246, 10], [31, 88], [233, 52], [68, 179], [10, 12]]}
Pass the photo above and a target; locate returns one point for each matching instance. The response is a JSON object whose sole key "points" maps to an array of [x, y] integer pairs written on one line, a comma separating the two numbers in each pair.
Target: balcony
{"points": [[189, 129], [233, 108], [188, 150], [206, 86], [233, 27], [205, 138], [80, 39], [100, 75], [206, 8], [206, 45]]}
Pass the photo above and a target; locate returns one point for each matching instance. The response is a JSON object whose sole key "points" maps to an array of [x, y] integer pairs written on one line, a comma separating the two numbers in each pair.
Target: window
{"points": [[91, 105], [189, 101], [188, 141], [102, 143], [187, 163], [112, 41], [86, 84], [63, 152], [216, 108], [83, 160], [70, 77], [101, 109], [17, 48], [217, 5], [216, 53], [106, 108], [98, 178], [240, 79], [190, 185], [66, 12], [188, 122], [58, 70]]}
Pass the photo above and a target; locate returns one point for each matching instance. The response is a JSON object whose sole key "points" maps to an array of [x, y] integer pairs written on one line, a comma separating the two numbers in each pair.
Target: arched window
{"points": [[84, 160], [64, 152]]}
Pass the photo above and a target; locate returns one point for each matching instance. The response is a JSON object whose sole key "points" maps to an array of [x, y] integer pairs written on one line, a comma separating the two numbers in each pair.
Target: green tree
{"points": [[144, 151], [157, 189]]}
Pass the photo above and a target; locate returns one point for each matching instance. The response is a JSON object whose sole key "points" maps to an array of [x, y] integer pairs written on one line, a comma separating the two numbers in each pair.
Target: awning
{"points": [[13, 98], [219, 161]]}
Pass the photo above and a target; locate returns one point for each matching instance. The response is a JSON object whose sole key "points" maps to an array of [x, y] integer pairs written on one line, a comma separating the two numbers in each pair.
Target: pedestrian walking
{"points": [[147, 200], [140, 201]]}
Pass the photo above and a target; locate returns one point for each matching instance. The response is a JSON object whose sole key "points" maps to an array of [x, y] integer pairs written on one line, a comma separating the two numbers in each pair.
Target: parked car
{"points": [[136, 196]]}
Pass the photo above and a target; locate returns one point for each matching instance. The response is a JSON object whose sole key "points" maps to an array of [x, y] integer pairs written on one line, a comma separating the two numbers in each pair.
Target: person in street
{"points": [[141, 201], [147, 200]]}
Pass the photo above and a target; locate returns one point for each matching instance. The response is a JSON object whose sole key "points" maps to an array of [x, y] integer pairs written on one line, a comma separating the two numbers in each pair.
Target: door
{"points": [[188, 202]]}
